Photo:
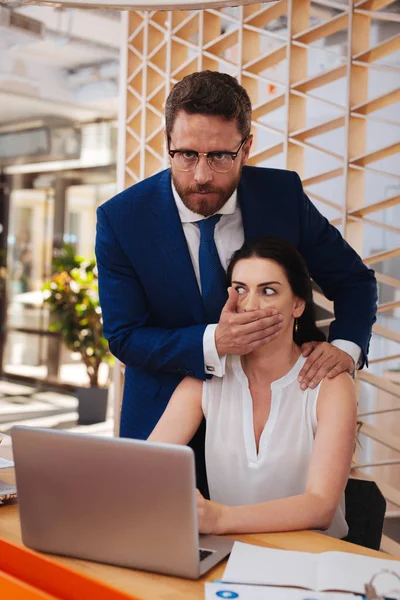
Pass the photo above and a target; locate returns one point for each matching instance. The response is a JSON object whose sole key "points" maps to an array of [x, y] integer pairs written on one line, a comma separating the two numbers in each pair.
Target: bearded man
{"points": [[163, 246]]}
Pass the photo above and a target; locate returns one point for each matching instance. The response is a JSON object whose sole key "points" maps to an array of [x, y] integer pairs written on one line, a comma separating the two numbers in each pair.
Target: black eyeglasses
{"points": [[187, 160]]}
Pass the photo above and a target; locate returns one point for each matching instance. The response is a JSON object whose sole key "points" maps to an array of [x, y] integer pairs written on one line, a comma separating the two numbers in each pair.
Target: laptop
{"points": [[123, 502]]}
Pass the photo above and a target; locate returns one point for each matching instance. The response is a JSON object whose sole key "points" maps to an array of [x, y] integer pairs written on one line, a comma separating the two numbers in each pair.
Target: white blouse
{"points": [[236, 473]]}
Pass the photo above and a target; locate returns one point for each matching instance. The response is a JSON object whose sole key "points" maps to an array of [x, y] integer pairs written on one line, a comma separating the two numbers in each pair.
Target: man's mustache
{"points": [[205, 189]]}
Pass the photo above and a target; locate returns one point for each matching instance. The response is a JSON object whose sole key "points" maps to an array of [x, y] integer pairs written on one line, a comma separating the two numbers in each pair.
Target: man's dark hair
{"points": [[210, 93]]}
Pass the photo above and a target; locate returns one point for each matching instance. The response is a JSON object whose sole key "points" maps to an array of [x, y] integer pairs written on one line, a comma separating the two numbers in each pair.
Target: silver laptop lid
{"points": [[125, 502]]}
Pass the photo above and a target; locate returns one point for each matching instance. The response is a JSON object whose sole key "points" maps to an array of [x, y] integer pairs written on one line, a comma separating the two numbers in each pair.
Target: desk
{"points": [[149, 586]]}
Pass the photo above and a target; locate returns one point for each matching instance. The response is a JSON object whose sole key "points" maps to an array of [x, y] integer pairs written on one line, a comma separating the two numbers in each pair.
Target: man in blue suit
{"points": [[161, 273]]}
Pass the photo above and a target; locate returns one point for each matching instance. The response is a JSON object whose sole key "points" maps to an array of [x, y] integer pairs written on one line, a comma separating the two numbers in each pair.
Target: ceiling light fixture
{"points": [[137, 4]]}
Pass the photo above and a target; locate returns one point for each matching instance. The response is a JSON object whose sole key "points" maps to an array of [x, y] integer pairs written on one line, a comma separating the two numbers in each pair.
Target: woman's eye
{"points": [[268, 291], [239, 289]]}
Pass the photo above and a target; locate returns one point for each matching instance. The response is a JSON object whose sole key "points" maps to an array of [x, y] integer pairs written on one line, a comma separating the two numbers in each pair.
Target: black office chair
{"points": [[365, 512]]}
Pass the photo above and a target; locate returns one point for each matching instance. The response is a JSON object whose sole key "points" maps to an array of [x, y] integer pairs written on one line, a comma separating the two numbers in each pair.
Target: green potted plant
{"points": [[72, 296]]}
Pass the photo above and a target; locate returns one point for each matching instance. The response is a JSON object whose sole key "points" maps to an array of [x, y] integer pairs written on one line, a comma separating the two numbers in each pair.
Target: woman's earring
{"points": [[296, 325]]}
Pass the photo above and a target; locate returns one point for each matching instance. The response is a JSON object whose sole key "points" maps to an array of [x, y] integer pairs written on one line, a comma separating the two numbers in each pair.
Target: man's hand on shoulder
{"points": [[241, 333], [324, 360]]}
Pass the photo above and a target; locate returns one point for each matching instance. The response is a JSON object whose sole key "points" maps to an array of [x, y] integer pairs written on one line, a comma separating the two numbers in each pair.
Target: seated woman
{"points": [[277, 458]]}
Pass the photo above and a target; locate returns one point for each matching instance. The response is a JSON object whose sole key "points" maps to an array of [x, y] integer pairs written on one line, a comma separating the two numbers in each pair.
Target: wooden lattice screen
{"points": [[323, 78]]}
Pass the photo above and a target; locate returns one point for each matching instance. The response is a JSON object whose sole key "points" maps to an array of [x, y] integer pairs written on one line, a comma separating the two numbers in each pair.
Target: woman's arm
{"points": [[327, 475], [183, 414]]}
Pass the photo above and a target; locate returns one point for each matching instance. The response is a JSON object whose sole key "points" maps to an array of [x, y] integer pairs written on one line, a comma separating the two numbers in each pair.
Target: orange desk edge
{"points": [[33, 577]]}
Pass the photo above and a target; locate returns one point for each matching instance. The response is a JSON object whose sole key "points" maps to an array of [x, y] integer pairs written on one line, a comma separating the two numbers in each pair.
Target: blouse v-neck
{"points": [[255, 457]]}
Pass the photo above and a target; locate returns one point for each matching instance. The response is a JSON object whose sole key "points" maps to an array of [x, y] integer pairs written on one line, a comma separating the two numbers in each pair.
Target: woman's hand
{"points": [[209, 515]]}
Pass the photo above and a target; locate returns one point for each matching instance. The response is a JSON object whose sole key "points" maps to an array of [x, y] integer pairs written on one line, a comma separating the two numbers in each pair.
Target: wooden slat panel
{"points": [[320, 80], [331, 4], [380, 382], [381, 50], [322, 301], [387, 333], [387, 280], [267, 14], [263, 109], [373, 4], [390, 546], [384, 359], [319, 129], [383, 437], [388, 306], [378, 463], [323, 177], [374, 223], [228, 39], [371, 106], [323, 30], [383, 16], [377, 155], [375, 171], [316, 148], [309, 96], [376, 206], [380, 256], [265, 154], [270, 59], [192, 19]]}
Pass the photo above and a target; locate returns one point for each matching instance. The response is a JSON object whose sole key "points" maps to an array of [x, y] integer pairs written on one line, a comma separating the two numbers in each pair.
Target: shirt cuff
{"points": [[213, 363], [351, 348]]}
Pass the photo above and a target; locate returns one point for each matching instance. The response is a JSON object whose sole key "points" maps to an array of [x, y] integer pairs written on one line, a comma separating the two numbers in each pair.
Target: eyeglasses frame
{"points": [[233, 155]]}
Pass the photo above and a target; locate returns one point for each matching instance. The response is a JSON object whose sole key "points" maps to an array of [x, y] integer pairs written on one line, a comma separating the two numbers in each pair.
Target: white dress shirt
{"points": [[228, 236], [239, 472]]}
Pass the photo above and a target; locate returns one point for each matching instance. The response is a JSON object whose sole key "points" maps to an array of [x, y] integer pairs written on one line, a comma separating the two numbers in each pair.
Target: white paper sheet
{"points": [[332, 571], [352, 571], [257, 565], [6, 464]]}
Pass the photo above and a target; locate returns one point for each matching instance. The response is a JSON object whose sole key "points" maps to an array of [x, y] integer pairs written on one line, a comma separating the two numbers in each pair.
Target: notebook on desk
{"points": [[125, 502], [327, 571]]}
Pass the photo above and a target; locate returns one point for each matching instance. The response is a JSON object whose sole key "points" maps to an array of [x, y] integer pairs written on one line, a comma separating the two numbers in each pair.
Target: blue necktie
{"points": [[212, 274]]}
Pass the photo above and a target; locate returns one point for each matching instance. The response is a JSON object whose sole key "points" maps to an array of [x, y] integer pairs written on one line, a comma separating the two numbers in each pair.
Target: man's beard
{"points": [[205, 206]]}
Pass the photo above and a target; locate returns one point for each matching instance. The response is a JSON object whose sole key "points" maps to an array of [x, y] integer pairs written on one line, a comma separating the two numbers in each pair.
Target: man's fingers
{"points": [[258, 343], [262, 334], [316, 365], [314, 356], [231, 303], [317, 374], [324, 361], [233, 329], [340, 367], [307, 348], [261, 324], [252, 316]]}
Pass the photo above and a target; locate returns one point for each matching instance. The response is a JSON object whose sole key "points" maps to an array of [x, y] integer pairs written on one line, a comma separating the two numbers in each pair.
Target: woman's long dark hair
{"points": [[286, 255]]}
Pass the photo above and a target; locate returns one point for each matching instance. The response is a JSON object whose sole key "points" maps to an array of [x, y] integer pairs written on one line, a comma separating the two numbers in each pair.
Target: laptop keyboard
{"points": [[204, 553]]}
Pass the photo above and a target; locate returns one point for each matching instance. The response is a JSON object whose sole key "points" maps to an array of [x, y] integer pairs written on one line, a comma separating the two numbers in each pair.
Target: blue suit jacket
{"points": [[152, 307]]}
